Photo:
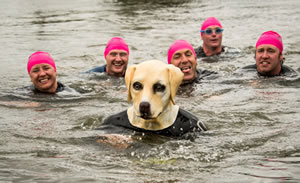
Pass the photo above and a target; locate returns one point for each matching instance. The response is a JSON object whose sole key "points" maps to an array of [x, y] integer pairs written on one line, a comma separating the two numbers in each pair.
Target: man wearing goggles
{"points": [[211, 34]]}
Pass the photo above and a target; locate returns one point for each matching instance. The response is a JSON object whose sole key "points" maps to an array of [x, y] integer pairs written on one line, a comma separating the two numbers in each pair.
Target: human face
{"points": [[187, 63], [212, 41], [116, 62], [43, 77], [268, 60]]}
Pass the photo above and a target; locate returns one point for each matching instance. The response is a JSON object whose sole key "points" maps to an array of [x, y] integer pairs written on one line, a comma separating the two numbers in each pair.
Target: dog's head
{"points": [[152, 87]]}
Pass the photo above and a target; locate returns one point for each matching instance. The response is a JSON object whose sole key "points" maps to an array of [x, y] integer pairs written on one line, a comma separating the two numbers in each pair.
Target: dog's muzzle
{"points": [[145, 110]]}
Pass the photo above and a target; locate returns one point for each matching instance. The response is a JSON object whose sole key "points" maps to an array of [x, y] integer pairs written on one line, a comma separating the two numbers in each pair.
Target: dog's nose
{"points": [[145, 108]]}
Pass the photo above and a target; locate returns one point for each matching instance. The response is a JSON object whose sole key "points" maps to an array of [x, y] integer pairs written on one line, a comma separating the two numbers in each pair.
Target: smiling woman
{"points": [[42, 72]]}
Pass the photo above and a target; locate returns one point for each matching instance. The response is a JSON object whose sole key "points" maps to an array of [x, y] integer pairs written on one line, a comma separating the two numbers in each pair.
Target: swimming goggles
{"points": [[210, 31]]}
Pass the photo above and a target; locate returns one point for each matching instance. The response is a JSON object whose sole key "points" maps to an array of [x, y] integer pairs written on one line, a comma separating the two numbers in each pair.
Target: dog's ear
{"points": [[128, 78], [175, 79]]}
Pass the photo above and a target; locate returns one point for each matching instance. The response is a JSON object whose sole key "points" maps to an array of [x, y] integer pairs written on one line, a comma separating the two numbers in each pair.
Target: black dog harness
{"points": [[185, 122]]}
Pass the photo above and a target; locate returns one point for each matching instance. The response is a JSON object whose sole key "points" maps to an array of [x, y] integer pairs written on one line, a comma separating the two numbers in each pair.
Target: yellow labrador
{"points": [[152, 87]]}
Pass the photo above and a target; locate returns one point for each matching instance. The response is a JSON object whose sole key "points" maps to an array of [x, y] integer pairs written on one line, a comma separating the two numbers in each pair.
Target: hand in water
{"points": [[116, 140]]}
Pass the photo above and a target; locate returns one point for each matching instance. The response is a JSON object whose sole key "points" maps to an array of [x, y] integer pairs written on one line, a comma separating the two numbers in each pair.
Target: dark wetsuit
{"points": [[202, 74], [60, 87], [205, 74], [185, 122], [285, 70], [200, 52], [98, 69]]}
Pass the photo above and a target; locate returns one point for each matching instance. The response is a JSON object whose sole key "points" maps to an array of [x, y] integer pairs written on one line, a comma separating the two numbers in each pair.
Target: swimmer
{"points": [[211, 34], [42, 72], [268, 56], [116, 55], [151, 90], [181, 54]]}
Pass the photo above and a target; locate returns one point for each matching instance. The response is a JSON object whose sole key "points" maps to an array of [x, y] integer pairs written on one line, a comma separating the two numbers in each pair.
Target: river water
{"points": [[254, 123]]}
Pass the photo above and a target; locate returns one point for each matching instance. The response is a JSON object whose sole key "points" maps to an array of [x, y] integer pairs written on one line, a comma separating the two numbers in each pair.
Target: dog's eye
{"points": [[159, 87], [137, 86]]}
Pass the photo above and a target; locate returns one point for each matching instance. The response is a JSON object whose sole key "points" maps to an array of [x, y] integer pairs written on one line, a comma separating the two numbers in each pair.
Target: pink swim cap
{"points": [[179, 45], [209, 22], [116, 43], [270, 37], [40, 57]]}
